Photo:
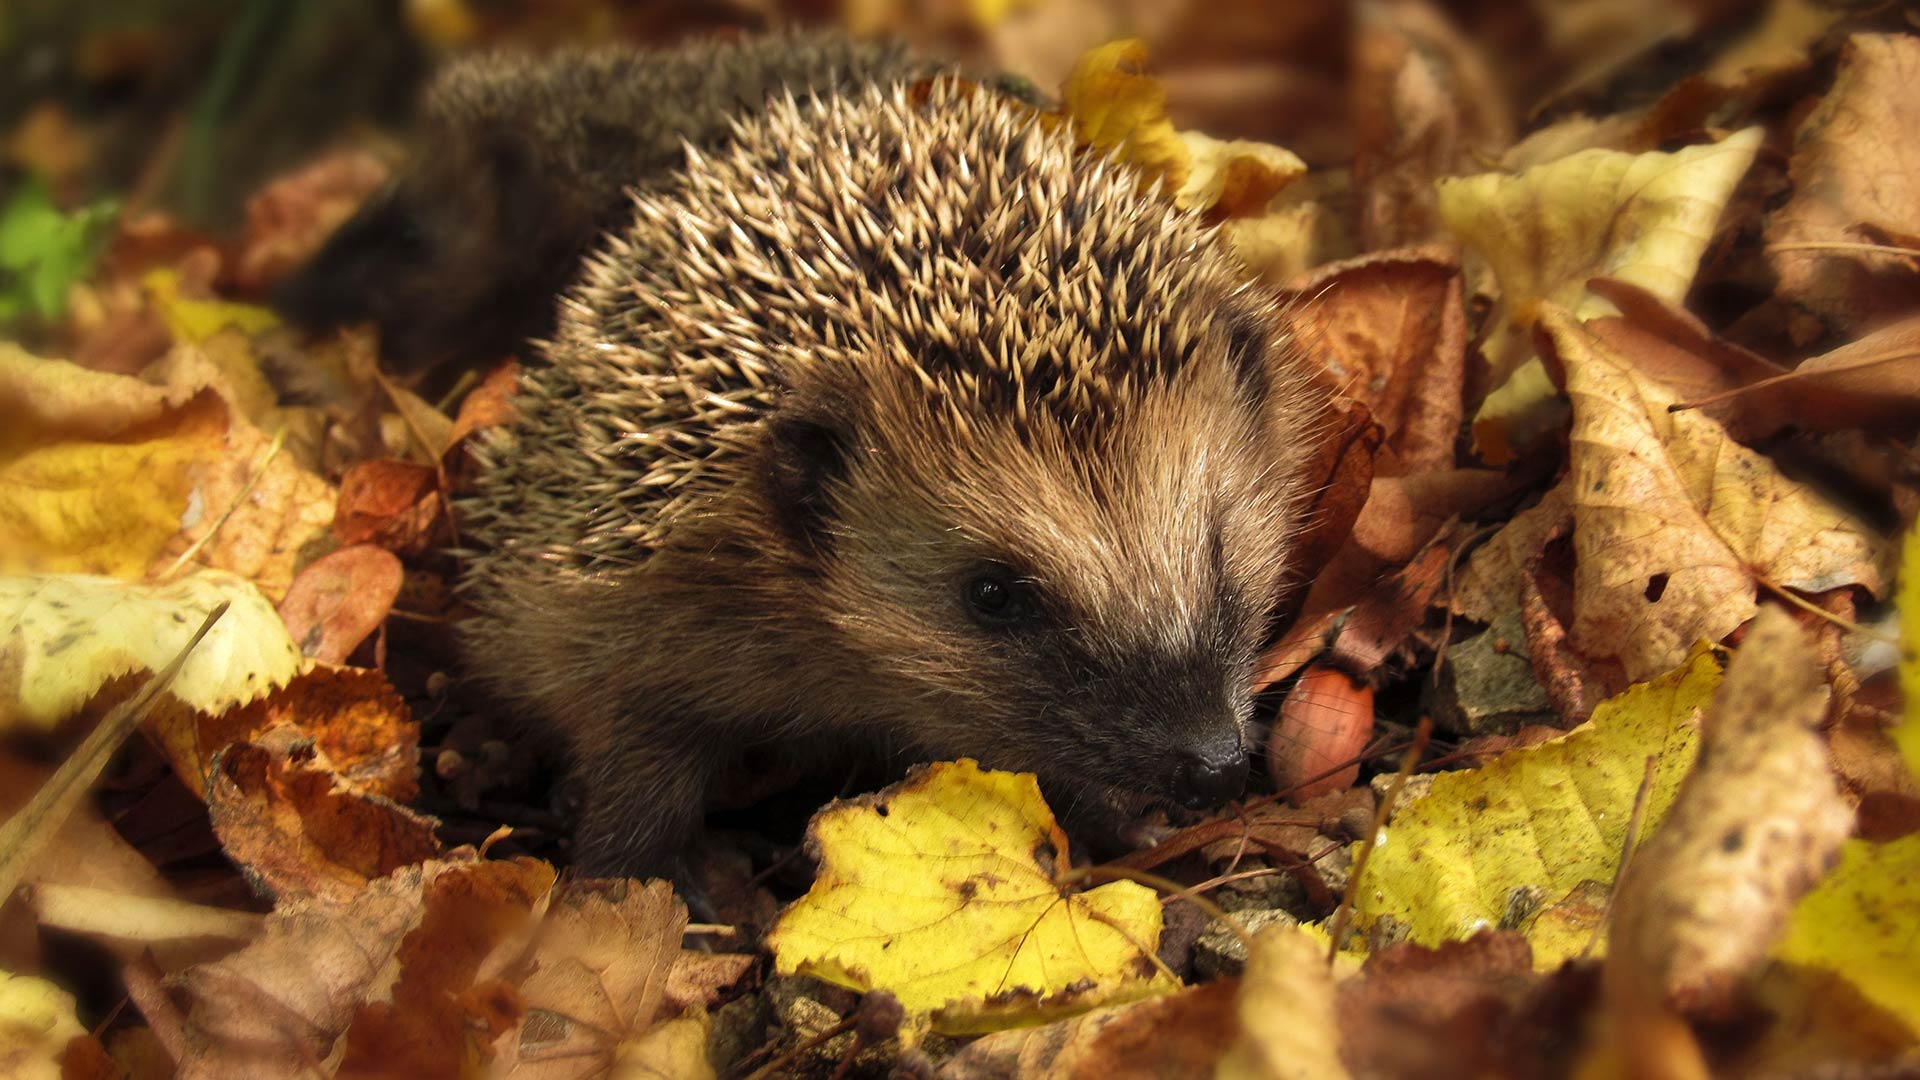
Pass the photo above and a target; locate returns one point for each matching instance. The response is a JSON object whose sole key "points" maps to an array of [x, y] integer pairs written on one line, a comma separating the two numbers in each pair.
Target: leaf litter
{"points": [[1622, 323]]}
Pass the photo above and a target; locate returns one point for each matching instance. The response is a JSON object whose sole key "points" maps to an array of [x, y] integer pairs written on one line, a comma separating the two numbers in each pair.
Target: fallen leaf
{"points": [[1907, 732], [67, 635], [1751, 829], [96, 470], [1854, 177], [1539, 820], [1639, 218], [676, 1048], [1390, 332], [1437, 1012], [37, 1022], [1288, 1028], [394, 504], [944, 890], [1116, 106], [1426, 106], [195, 320], [1323, 725], [487, 405], [358, 728], [1675, 526], [1859, 922], [603, 984], [1869, 384], [298, 834], [289, 218], [341, 599]]}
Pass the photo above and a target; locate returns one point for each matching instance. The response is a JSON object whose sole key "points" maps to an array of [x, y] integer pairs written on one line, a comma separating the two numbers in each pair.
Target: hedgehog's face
{"points": [[1085, 601]]}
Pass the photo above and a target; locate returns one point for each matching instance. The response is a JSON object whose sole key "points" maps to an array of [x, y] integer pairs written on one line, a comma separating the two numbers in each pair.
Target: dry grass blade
{"points": [[23, 835]]}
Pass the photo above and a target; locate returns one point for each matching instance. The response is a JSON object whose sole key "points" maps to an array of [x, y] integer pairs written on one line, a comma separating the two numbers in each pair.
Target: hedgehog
{"points": [[896, 419], [524, 161]]}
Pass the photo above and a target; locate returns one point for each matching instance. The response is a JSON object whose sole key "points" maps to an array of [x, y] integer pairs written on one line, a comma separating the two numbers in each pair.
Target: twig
{"points": [[793, 1055]]}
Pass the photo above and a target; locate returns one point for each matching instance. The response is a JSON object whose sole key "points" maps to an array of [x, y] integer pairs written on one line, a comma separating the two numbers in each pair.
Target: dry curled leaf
{"points": [[1754, 825], [1676, 527], [340, 599]]}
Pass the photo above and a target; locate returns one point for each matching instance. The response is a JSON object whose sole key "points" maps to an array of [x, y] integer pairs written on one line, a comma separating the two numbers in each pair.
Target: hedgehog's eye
{"points": [[999, 598]]}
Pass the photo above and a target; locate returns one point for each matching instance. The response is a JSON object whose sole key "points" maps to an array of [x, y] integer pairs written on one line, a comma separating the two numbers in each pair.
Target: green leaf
{"points": [[43, 251]]}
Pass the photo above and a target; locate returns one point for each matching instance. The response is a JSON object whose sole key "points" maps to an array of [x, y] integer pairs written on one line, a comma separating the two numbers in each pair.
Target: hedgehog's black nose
{"points": [[1210, 775]]}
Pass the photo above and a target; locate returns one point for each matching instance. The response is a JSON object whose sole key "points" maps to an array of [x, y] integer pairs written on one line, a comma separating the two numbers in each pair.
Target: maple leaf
{"points": [[943, 890], [1675, 525]]}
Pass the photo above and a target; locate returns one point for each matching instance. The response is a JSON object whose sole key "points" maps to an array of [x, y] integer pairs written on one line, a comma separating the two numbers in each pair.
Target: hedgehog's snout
{"points": [[1210, 770]]}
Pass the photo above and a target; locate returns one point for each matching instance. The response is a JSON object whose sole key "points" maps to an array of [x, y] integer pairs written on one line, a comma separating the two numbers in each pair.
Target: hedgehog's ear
{"points": [[806, 453]]}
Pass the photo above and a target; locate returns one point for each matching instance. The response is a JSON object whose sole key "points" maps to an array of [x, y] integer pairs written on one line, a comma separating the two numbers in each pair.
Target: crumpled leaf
{"points": [[944, 890], [605, 985], [1542, 819], [1115, 105], [1288, 1028], [1640, 218], [1676, 526], [394, 984], [36, 1022], [1856, 178], [1751, 829], [96, 470], [1862, 921], [66, 635]]}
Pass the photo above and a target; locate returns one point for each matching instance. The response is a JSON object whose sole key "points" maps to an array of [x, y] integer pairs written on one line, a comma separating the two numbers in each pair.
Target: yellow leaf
{"points": [[1288, 1027], [1907, 734], [1117, 106], [1863, 922], [673, 1048], [1537, 820], [1234, 178], [36, 1023], [64, 636], [1642, 218], [944, 890], [1675, 524], [198, 320], [96, 470]]}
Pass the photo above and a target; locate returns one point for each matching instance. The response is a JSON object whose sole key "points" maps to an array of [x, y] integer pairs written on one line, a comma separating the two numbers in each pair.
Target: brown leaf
{"points": [[1326, 720], [359, 726], [1435, 1012], [289, 218], [1869, 384], [281, 817], [1856, 172], [1342, 470], [339, 599], [486, 406], [606, 967], [1390, 330], [1753, 827], [1426, 105], [1666, 341], [1675, 526], [395, 504]]}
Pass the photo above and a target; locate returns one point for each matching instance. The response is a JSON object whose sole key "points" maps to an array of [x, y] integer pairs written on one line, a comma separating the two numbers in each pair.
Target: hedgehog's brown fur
{"points": [[881, 345]]}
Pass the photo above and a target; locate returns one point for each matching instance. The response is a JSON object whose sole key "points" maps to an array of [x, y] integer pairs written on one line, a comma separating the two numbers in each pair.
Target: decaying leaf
{"points": [[340, 599], [1753, 826], [603, 984], [1676, 527], [945, 890], [1538, 820], [1115, 105], [1856, 177], [67, 635], [1641, 218]]}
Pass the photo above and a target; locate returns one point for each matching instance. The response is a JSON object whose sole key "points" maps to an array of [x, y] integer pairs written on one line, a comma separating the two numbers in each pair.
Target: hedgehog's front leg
{"points": [[646, 792]]}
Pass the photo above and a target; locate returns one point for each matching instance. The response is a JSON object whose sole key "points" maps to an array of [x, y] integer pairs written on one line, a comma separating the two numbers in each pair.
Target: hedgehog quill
{"points": [[895, 419]]}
